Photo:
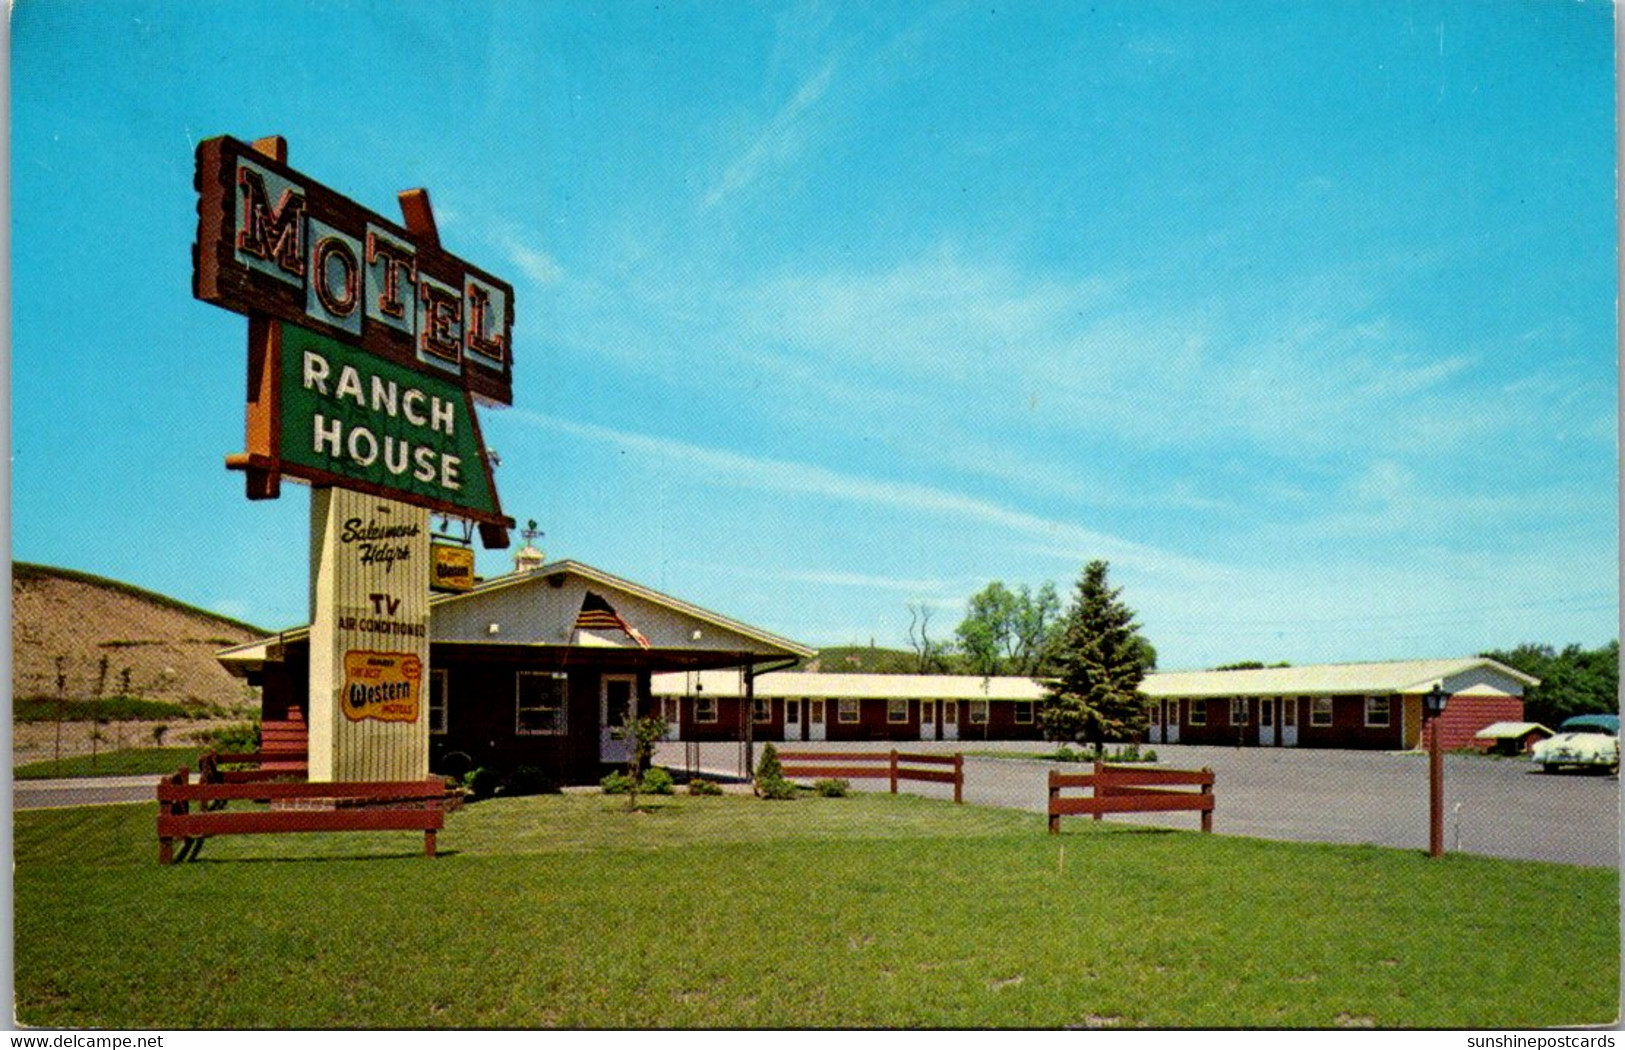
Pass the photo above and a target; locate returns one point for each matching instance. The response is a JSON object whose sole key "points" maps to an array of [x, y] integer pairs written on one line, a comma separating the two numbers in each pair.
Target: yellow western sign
{"points": [[452, 568], [385, 686]]}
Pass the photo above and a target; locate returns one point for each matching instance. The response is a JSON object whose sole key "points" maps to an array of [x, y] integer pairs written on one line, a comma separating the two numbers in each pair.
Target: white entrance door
{"points": [[928, 720], [616, 695], [674, 725], [950, 720], [815, 720], [1266, 720], [792, 719], [1153, 720], [1170, 723], [1289, 721]]}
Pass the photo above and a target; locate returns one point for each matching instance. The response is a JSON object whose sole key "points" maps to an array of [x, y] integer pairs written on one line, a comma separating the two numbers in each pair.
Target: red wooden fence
{"points": [[874, 764], [1125, 789], [416, 805]]}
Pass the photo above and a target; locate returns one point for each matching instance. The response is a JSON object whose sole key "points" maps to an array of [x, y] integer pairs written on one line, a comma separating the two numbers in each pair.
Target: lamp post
{"points": [[1433, 702]]}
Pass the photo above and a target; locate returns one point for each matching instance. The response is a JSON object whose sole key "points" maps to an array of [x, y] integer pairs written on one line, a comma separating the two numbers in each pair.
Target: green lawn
{"points": [[135, 761], [734, 912]]}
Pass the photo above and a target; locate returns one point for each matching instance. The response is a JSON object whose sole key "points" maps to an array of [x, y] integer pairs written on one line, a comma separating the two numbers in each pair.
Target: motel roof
{"points": [[1462, 676], [538, 607]]}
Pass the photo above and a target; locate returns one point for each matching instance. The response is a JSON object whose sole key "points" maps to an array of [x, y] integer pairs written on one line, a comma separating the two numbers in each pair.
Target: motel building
{"points": [[1368, 705], [538, 668]]}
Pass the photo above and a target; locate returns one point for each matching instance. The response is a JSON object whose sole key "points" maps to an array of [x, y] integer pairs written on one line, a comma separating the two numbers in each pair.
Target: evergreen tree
{"points": [[1099, 662]]}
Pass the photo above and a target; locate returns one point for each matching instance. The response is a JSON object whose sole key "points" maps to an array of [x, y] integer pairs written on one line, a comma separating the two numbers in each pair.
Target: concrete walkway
{"points": [[83, 791]]}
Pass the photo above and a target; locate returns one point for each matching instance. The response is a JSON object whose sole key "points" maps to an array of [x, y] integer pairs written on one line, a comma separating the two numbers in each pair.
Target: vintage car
{"points": [[1589, 741]]}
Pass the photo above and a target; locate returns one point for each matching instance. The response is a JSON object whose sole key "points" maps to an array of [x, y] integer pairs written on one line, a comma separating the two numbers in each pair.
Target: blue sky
{"points": [[1302, 316]]}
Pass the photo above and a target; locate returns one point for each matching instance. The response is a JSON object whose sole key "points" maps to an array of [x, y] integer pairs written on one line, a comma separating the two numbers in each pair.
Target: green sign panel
{"points": [[348, 415]]}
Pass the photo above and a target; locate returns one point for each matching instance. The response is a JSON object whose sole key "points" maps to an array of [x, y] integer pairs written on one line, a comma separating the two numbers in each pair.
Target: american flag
{"points": [[597, 614]]}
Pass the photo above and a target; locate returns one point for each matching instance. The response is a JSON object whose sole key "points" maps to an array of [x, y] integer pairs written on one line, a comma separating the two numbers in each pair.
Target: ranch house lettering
{"points": [[360, 444]]}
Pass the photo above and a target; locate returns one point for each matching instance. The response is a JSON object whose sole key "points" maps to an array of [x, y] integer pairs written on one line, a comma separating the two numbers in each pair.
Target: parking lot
{"points": [[1500, 807]]}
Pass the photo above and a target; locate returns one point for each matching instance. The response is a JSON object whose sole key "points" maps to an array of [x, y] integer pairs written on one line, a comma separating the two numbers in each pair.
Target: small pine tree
{"points": [[770, 781], [1099, 662]]}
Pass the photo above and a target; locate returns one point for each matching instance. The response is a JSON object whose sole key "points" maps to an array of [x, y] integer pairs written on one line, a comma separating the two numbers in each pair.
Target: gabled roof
{"points": [[1394, 676], [684, 625]]}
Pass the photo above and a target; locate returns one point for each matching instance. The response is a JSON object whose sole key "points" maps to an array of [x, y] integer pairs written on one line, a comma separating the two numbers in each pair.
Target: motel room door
{"points": [[815, 719], [928, 720], [615, 696], [1170, 722], [1153, 719], [1289, 721], [792, 718], [1266, 720], [950, 720]]}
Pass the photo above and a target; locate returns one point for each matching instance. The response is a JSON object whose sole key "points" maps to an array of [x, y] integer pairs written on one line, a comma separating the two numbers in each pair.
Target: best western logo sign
{"points": [[381, 685]]}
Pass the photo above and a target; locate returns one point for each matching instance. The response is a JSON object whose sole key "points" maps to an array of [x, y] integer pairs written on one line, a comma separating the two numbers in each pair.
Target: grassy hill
{"points": [[101, 638], [861, 659]]}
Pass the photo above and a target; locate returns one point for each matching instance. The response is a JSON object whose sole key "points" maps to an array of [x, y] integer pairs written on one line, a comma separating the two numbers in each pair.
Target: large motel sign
{"points": [[369, 345]]}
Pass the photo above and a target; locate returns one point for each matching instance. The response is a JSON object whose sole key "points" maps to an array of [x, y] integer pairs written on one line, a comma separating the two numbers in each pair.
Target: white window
{"points": [[1024, 712], [897, 711], [792, 712], [1320, 711], [1238, 711], [705, 709], [760, 710], [1198, 712], [1376, 710], [1266, 712], [539, 706], [1289, 712], [848, 712], [437, 701], [978, 712]]}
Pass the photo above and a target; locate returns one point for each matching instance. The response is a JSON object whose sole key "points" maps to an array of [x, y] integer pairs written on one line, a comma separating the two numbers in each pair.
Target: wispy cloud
{"points": [[779, 142], [534, 263], [767, 474]]}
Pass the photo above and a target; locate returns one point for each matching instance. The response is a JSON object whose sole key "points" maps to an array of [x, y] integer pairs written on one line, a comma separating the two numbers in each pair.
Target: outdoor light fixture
{"points": [[1434, 699]]}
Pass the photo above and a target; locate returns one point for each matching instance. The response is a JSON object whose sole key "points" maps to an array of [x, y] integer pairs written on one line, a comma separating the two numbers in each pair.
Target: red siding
{"points": [[1466, 715]]}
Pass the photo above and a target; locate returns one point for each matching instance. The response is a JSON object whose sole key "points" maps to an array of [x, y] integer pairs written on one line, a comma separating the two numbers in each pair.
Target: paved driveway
{"points": [[1496, 807]]}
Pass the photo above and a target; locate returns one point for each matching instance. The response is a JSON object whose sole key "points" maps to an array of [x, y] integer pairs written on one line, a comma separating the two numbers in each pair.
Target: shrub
{"points": [[1066, 754], [658, 782], [243, 736], [776, 789], [770, 782], [770, 768], [832, 788], [616, 783], [703, 787], [530, 780], [1150, 754], [480, 782]]}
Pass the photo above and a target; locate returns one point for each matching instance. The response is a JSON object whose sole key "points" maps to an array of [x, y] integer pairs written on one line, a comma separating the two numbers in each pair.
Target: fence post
{"points": [[1100, 789], [894, 771], [959, 776], [1207, 814], [1054, 794]]}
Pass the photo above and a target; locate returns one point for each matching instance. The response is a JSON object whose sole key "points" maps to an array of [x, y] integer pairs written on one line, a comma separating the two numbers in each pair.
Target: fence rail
{"points": [[1124, 789], [895, 766]]}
